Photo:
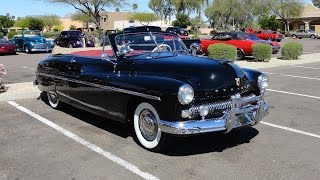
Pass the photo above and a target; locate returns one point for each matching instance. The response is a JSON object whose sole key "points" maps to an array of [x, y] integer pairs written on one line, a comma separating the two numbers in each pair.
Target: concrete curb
{"points": [[275, 62], [20, 91]]}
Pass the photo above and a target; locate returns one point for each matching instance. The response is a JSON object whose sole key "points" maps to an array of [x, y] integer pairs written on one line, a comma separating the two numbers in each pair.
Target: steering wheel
{"points": [[162, 48]]}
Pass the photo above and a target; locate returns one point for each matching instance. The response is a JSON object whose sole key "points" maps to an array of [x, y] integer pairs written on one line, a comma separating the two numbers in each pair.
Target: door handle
{"points": [[72, 60]]}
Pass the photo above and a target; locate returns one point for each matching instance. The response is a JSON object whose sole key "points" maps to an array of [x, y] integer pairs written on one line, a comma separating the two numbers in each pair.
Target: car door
{"points": [[300, 33], [89, 86], [19, 43], [62, 40]]}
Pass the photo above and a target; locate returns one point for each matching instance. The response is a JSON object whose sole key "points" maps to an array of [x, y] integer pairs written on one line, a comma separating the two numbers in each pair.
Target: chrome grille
{"points": [[41, 46], [217, 109]]}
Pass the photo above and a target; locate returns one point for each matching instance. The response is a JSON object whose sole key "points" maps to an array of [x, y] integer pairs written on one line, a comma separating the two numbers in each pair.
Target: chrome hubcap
{"points": [[148, 125], [238, 54], [53, 97]]}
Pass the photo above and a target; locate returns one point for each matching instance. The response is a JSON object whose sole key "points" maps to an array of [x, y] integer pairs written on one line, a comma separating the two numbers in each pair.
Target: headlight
{"points": [[263, 82], [185, 94]]}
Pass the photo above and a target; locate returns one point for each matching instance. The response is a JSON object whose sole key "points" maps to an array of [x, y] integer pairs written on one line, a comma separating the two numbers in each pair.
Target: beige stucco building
{"points": [[309, 19], [108, 19], [66, 23]]}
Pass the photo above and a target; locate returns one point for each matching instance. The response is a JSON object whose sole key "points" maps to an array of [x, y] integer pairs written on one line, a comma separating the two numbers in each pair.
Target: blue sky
{"points": [[21, 8]]}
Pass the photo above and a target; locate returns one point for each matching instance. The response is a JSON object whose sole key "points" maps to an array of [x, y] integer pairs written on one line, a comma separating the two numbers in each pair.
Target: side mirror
{"points": [[194, 48]]}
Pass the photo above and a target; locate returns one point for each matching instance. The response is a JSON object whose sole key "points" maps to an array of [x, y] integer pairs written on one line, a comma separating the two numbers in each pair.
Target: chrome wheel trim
{"points": [[239, 55], [148, 125], [313, 36], [53, 99], [136, 124], [27, 50], [70, 46]]}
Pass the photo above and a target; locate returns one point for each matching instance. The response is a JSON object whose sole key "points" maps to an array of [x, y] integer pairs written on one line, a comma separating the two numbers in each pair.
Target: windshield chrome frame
{"points": [[185, 49]]}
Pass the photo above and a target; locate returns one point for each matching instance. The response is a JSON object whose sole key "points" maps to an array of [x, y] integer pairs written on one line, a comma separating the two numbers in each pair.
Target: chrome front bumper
{"points": [[235, 118], [41, 50]]}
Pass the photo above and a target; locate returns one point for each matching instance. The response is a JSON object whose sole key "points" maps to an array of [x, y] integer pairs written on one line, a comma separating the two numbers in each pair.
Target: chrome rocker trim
{"points": [[235, 118]]}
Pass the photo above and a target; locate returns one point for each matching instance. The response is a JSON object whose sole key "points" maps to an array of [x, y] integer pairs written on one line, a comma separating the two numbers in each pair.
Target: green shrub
{"points": [[291, 50], [213, 32], [1, 34], [51, 34], [11, 34], [262, 52], [222, 51]]}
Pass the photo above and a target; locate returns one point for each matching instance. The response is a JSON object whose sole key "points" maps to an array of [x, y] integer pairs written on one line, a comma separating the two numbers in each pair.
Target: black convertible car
{"points": [[149, 81]]}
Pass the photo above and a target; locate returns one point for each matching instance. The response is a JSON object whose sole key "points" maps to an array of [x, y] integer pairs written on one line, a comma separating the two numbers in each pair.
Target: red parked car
{"points": [[233, 38], [7, 47], [267, 35]]}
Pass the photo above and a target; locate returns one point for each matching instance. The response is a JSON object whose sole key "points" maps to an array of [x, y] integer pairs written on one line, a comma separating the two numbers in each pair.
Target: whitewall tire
{"points": [[145, 122], [53, 100]]}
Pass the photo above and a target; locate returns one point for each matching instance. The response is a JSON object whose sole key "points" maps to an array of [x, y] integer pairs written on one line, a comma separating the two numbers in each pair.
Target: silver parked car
{"points": [[304, 34]]}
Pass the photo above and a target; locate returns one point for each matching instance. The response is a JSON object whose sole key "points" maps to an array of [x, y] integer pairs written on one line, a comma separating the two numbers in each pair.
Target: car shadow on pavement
{"points": [[175, 145], [210, 142], [111, 126]]}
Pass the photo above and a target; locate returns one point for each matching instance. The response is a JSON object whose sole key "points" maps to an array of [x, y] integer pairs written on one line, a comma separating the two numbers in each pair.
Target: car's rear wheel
{"points": [[313, 36], [294, 36], [240, 55], [147, 131], [269, 38], [70, 45], [53, 100]]}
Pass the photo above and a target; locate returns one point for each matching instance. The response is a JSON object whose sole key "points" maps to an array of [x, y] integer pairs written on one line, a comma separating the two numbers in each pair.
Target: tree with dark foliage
{"points": [[92, 8]]}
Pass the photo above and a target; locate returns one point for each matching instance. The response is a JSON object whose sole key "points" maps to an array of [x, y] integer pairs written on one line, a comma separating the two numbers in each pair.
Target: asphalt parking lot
{"points": [[37, 142]]}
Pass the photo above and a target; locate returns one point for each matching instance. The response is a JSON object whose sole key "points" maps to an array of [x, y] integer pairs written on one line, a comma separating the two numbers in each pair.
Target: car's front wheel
{"points": [[53, 100], [146, 126], [313, 36], [27, 50]]}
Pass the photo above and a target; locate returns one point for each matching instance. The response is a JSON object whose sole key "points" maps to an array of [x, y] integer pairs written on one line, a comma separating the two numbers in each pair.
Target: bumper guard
{"points": [[235, 118]]}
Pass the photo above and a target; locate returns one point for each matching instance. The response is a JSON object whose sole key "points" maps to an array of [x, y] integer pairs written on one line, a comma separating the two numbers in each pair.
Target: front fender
{"points": [[165, 88]]}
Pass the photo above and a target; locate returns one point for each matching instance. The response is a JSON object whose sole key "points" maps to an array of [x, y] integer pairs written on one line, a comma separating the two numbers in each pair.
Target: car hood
{"points": [[268, 42], [202, 73]]}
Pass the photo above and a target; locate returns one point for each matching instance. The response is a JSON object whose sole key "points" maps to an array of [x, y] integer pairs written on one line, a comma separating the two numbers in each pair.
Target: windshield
{"points": [[253, 37], [2, 40], [146, 42], [75, 33], [36, 39], [247, 37]]}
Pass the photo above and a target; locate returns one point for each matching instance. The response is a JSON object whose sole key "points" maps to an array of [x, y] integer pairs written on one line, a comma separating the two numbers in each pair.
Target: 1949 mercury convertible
{"points": [[149, 80]]}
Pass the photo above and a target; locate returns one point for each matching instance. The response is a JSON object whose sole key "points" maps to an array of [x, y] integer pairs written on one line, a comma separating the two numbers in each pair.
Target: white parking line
{"points": [[290, 129], [285, 92], [25, 67], [288, 75], [306, 67], [88, 144]]}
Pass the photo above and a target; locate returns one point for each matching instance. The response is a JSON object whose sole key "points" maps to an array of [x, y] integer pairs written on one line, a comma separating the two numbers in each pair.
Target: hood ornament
{"points": [[238, 81]]}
